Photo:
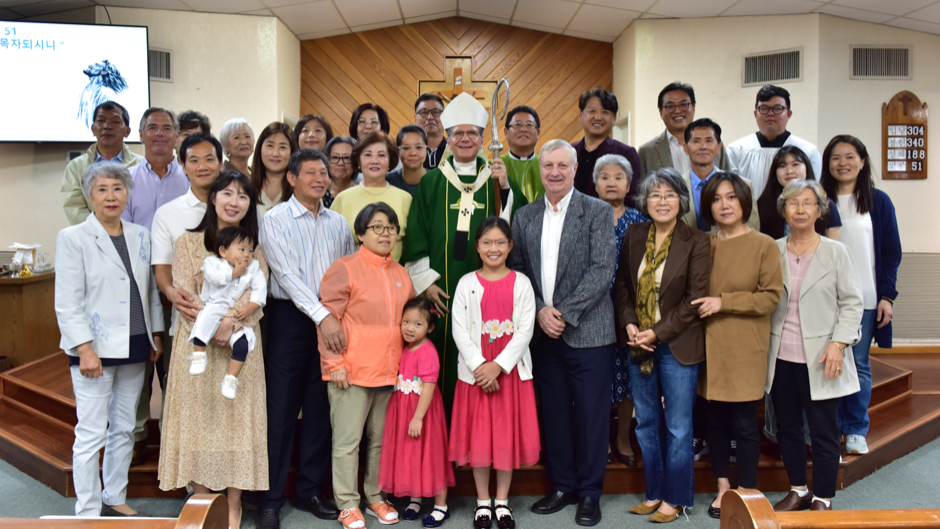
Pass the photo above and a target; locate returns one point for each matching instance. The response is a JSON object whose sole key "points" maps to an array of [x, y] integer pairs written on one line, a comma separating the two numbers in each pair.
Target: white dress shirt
{"points": [[552, 225], [680, 160]]}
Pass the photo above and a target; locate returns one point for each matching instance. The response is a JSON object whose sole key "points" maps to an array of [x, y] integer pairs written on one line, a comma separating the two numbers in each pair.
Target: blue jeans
{"points": [[665, 435], [853, 409]]}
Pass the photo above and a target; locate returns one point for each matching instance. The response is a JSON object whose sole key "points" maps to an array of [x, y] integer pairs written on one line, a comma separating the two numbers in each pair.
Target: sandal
{"points": [[483, 520]]}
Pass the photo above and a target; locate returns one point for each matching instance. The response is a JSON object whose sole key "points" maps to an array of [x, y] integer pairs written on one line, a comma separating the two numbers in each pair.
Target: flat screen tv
{"points": [[54, 75]]}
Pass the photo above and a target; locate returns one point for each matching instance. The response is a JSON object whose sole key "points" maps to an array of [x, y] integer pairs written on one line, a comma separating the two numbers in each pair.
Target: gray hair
{"points": [[613, 159], [553, 145], [106, 170], [665, 176], [795, 188], [154, 110], [231, 126]]}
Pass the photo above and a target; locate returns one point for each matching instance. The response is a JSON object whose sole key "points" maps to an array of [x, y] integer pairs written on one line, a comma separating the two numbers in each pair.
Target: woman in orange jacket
{"points": [[366, 291]]}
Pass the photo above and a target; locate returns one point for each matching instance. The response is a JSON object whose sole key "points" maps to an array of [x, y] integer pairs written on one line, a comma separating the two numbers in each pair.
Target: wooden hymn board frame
{"points": [[904, 138]]}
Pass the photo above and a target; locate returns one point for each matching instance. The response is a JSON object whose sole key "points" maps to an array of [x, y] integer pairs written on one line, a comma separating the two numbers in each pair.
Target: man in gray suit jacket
{"points": [[677, 110], [565, 245]]}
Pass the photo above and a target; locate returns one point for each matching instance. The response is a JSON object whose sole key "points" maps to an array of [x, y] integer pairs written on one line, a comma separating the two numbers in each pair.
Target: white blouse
{"points": [[858, 234]]}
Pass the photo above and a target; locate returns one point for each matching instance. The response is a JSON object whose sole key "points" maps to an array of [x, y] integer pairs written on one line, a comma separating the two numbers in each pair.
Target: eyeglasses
{"points": [[775, 110], [668, 197], [340, 160], [807, 204], [472, 134], [374, 123], [523, 125], [434, 112], [378, 229], [683, 106], [501, 243]]}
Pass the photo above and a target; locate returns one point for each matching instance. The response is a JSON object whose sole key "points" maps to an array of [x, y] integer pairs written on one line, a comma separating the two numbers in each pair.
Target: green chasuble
{"points": [[432, 225], [526, 175]]}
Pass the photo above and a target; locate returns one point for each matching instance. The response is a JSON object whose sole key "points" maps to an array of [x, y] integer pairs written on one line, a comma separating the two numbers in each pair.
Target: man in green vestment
{"points": [[522, 162], [450, 203]]}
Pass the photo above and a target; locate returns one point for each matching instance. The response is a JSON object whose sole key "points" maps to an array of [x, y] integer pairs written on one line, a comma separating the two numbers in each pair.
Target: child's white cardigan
{"points": [[468, 328]]}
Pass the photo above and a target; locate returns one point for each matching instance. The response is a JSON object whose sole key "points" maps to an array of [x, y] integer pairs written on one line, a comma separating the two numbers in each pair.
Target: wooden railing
{"points": [[202, 511], [749, 509]]}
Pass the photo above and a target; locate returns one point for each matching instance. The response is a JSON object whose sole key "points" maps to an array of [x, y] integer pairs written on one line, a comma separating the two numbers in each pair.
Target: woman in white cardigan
{"points": [[810, 363], [109, 313]]}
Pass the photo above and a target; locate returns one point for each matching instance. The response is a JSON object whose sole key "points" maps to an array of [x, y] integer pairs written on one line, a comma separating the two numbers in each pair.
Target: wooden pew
{"points": [[749, 509], [202, 511]]}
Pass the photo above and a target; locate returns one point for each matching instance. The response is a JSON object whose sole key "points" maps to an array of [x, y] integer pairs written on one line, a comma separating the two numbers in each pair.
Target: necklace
{"points": [[366, 189], [799, 255]]}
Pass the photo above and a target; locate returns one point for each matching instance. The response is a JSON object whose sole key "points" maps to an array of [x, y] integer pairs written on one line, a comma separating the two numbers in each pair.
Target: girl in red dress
{"points": [[494, 423], [414, 444]]}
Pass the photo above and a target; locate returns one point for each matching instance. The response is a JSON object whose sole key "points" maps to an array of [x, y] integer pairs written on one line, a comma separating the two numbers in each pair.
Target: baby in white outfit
{"points": [[226, 277]]}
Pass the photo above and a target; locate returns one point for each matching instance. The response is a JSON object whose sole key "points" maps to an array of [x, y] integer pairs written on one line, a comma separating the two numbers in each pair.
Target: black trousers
{"points": [[700, 418], [791, 395], [294, 383], [738, 421], [574, 388]]}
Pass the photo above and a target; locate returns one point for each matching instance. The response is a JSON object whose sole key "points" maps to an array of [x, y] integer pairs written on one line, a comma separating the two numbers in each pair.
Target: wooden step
{"points": [[889, 384], [43, 387]]}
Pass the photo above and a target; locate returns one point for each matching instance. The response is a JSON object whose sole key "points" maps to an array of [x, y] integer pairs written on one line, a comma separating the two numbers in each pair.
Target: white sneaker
{"points": [[198, 366], [229, 386], [856, 445]]}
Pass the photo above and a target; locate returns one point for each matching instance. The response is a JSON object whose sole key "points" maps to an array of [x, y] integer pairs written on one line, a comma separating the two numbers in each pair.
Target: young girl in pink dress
{"points": [[494, 421], [414, 443]]}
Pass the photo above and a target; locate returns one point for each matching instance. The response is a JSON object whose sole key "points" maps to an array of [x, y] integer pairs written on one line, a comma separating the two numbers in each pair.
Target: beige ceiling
{"points": [[593, 19]]}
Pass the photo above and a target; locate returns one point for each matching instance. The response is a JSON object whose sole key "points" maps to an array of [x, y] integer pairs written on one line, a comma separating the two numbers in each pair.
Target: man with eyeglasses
{"points": [[598, 115], [676, 105], [753, 154], [428, 110], [450, 203], [522, 162]]}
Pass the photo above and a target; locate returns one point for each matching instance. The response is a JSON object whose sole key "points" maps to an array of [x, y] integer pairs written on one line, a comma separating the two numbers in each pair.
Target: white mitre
{"points": [[464, 110]]}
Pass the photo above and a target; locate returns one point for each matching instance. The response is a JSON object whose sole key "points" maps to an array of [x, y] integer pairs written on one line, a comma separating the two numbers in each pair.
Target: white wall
{"points": [[223, 65], [708, 53]]}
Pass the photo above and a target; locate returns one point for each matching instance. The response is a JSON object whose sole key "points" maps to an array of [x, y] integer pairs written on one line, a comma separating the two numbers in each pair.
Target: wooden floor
{"points": [[37, 419]]}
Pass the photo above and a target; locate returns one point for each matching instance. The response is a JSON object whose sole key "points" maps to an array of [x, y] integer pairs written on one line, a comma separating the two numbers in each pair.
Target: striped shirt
{"points": [[299, 247]]}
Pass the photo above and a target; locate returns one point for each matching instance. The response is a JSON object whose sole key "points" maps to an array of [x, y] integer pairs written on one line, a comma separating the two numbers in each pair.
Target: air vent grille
{"points": [[160, 65], [774, 67], [872, 62]]}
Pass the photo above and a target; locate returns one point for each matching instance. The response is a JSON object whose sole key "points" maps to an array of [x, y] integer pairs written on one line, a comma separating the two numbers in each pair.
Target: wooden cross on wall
{"points": [[458, 77]]}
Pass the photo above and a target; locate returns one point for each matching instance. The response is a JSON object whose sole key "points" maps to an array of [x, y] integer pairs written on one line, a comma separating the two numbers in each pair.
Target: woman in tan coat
{"points": [[745, 287]]}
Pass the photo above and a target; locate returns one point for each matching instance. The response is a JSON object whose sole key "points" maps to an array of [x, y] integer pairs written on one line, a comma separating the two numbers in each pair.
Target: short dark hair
{"points": [[525, 110], [191, 119], [357, 113], [608, 100], [298, 157], [111, 105], [372, 138], [311, 117], [703, 123], [674, 86], [864, 196], [230, 236], [769, 91], [335, 140], [425, 307], [741, 189], [485, 226], [411, 129], [197, 138], [369, 212], [258, 172], [210, 221], [428, 97]]}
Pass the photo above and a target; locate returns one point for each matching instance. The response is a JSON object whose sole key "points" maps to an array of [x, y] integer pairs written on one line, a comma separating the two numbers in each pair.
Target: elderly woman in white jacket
{"points": [[109, 313], [813, 329]]}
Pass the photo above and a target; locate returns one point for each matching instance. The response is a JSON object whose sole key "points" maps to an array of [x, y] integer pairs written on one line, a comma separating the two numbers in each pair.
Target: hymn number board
{"points": [[904, 138]]}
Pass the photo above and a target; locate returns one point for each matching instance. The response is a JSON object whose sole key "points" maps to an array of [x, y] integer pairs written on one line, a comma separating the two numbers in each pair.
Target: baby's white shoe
{"points": [[229, 386], [198, 366]]}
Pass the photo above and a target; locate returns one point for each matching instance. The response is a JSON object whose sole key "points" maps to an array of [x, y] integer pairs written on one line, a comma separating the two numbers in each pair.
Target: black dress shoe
{"points": [[270, 519], [554, 502], [714, 512], [629, 460], [589, 511], [107, 510], [318, 506]]}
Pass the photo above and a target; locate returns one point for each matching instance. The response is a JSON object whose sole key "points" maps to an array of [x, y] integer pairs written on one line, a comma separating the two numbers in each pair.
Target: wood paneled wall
{"points": [[546, 71]]}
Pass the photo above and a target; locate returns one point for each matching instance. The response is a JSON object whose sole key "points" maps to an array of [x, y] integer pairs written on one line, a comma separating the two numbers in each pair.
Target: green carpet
{"points": [[910, 482]]}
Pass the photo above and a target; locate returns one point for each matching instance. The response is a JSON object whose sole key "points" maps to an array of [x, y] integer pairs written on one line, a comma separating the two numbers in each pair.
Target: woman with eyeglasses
{"points": [[373, 156], [269, 166], [339, 152]]}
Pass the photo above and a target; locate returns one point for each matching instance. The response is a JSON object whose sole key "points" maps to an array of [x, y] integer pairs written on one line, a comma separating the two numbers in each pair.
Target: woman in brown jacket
{"points": [[663, 267], [745, 286]]}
